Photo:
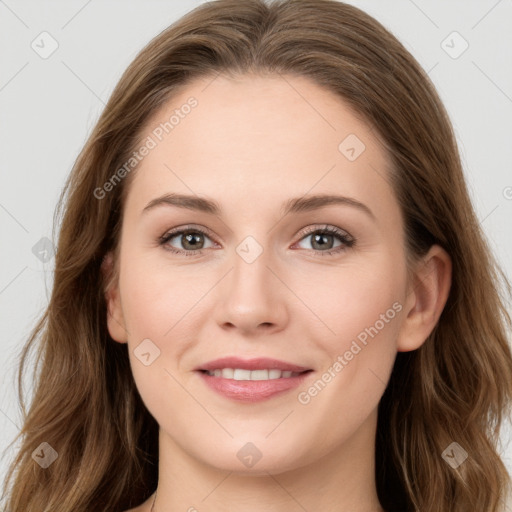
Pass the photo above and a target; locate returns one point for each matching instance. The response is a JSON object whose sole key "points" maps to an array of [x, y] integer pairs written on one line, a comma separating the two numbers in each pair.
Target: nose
{"points": [[251, 298]]}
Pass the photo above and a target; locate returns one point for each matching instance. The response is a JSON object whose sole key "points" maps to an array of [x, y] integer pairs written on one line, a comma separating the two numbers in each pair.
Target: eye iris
{"points": [[320, 238], [190, 241]]}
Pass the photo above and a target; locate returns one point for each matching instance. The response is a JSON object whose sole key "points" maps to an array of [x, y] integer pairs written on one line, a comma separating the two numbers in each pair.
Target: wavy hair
{"points": [[456, 387]]}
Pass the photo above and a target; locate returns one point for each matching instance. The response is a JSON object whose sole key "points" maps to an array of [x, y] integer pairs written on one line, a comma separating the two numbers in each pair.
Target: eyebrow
{"points": [[295, 205]]}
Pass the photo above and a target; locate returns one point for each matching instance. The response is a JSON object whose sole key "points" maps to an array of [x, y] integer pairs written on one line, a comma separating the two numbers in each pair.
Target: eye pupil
{"points": [[191, 239], [321, 240]]}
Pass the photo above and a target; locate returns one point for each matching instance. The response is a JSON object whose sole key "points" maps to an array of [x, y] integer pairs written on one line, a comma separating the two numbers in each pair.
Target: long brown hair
{"points": [[456, 388]]}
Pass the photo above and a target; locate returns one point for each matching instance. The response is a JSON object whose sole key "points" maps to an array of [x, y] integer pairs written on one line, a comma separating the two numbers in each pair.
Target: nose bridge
{"points": [[251, 295], [251, 276], [254, 273]]}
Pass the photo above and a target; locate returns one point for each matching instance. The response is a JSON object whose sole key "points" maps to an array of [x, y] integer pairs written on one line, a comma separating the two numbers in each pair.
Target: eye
{"points": [[323, 240], [191, 239]]}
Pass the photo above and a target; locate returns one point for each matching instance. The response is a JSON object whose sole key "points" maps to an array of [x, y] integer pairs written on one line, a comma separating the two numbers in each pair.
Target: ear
{"points": [[426, 298], [115, 318]]}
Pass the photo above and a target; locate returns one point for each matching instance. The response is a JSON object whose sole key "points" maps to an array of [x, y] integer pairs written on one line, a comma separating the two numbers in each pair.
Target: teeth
{"points": [[240, 374], [228, 373], [258, 375], [274, 374]]}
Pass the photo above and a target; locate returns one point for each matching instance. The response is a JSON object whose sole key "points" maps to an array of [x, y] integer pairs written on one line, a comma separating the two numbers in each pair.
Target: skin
{"points": [[252, 143]]}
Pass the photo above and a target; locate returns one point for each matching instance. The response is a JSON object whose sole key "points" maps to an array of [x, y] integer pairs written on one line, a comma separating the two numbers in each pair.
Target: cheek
{"points": [[156, 296], [161, 304], [351, 300], [366, 311], [361, 310], [155, 306]]}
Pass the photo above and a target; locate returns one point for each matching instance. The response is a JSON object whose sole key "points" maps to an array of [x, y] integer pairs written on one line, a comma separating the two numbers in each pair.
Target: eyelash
{"points": [[346, 240]]}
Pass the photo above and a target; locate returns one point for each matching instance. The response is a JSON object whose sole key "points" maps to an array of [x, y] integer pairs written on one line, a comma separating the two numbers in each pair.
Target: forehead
{"points": [[270, 137]]}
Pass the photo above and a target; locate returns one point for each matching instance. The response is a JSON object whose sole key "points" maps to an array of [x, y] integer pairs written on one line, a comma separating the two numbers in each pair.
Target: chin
{"points": [[253, 459]]}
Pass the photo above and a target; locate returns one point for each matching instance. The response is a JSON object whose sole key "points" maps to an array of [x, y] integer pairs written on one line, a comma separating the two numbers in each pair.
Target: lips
{"points": [[251, 380]]}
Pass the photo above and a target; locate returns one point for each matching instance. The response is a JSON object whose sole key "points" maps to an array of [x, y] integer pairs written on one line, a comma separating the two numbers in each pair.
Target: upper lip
{"points": [[260, 363]]}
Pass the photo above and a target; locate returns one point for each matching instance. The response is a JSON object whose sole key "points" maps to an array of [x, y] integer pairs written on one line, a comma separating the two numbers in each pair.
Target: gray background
{"points": [[48, 107]]}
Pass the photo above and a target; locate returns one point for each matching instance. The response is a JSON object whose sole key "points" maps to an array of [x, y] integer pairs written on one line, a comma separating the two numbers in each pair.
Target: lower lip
{"points": [[252, 390]]}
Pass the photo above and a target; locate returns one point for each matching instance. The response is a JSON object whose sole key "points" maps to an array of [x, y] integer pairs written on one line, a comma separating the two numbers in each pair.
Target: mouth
{"points": [[242, 374], [252, 380]]}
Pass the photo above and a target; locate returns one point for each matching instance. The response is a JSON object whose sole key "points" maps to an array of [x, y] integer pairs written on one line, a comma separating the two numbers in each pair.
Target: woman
{"points": [[271, 289]]}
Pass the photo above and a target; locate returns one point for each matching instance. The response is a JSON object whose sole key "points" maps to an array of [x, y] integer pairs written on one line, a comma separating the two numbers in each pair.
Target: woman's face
{"points": [[266, 280]]}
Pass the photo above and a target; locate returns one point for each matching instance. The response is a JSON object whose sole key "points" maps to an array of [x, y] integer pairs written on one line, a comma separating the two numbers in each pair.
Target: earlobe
{"points": [[426, 298], [115, 318]]}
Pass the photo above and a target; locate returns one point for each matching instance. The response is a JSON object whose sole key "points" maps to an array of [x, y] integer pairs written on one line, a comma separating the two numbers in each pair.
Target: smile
{"points": [[242, 374], [251, 386]]}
